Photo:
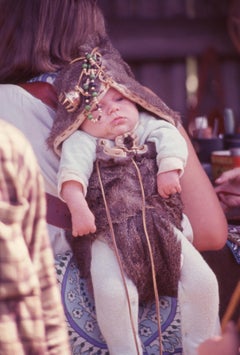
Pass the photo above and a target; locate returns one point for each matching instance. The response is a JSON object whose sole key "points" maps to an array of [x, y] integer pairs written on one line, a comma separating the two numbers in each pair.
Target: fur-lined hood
{"points": [[84, 81]]}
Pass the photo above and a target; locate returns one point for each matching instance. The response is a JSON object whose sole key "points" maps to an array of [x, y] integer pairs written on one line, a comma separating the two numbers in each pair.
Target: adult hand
{"points": [[228, 188], [226, 344]]}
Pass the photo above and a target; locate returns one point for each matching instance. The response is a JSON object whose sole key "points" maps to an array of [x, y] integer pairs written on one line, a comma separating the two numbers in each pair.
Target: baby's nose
{"points": [[113, 108]]}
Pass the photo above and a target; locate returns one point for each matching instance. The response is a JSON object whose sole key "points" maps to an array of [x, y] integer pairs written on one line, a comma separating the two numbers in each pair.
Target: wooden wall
{"points": [[157, 38]]}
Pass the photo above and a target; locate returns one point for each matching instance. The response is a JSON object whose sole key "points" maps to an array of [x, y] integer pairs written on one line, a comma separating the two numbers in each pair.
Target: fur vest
{"points": [[122, 189]]}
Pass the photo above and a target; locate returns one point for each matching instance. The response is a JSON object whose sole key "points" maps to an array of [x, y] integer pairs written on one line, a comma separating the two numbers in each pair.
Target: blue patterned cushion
{"points": [[85, 336]]}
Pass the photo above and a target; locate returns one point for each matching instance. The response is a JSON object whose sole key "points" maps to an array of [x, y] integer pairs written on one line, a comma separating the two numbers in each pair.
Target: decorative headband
{"points": [[86, 88]]}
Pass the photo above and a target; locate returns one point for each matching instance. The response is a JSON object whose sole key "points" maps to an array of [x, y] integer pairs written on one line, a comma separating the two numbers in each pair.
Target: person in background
{"points": [[31, 313], [227, 187]]}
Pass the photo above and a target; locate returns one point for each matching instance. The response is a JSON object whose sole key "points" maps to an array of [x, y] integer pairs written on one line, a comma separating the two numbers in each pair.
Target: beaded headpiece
{"points": [[86, 89], [82, 84]]}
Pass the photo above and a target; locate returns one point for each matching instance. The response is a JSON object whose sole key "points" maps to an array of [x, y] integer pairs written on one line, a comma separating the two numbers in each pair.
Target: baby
{"points": [[121, 159], [114, 118]]}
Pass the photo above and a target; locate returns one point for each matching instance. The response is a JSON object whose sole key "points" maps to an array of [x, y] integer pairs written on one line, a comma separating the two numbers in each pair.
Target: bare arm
{"points": [[201, 204], [83, 221]]}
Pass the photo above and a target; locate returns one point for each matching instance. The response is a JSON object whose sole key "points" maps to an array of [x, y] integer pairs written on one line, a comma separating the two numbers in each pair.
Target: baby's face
{"points": [[118, 116]]}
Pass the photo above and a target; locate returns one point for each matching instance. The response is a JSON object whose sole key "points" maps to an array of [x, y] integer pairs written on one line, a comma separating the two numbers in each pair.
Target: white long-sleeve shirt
{"points": [[35, 119], [79, 150]]}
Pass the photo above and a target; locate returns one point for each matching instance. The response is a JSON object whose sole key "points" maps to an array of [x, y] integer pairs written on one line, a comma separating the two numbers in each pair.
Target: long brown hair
{"points": [[40, 36]]}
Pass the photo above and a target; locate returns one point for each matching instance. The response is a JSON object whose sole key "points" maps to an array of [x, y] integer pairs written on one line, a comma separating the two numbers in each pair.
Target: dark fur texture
{"points": [[124, 199]]}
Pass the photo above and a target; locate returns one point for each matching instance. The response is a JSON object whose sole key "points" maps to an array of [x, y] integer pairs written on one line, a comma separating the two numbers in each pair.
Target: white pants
{"points": [[197, 294]]}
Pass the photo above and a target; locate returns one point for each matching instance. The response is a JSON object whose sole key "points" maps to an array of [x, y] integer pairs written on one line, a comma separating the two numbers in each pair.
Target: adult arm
{"points": [[227, 343], [201, 204]]}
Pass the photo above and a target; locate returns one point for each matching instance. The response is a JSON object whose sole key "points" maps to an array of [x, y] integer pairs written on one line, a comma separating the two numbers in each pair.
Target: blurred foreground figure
{"points": [[31, 314]]}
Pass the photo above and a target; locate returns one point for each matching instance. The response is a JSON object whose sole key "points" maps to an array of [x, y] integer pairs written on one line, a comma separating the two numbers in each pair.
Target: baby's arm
{"points": [[171, 150], [168, 183], [83, 221]]}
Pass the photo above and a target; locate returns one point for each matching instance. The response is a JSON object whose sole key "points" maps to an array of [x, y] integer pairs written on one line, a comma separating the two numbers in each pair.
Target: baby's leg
{"points": [[198, 298], [111, 302]]}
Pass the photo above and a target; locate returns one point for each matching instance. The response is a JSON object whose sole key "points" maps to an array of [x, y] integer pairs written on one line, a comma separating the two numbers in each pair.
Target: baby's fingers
{"points": [[84, 229]]}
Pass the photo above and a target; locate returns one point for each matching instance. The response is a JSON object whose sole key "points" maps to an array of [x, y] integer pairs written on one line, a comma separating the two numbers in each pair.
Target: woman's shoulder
{"points": [[29, 114], [21, 108], [9, 89], [12, 95]]}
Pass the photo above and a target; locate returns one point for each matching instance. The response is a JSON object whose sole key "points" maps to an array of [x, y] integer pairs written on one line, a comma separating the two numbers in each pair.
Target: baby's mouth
{"points": [[118, 120]]}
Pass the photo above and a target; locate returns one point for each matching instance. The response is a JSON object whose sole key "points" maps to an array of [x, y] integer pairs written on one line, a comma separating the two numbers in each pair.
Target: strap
{"points": [[58, 213], [43, 91]]}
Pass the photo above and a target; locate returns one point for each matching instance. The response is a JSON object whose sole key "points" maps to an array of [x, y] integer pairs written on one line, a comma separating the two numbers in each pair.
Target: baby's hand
{"points": [[168, 183], [83, 222]]}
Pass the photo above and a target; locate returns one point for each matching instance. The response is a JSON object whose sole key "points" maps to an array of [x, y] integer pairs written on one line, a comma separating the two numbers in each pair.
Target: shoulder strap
{"points": [[43, 91]]}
